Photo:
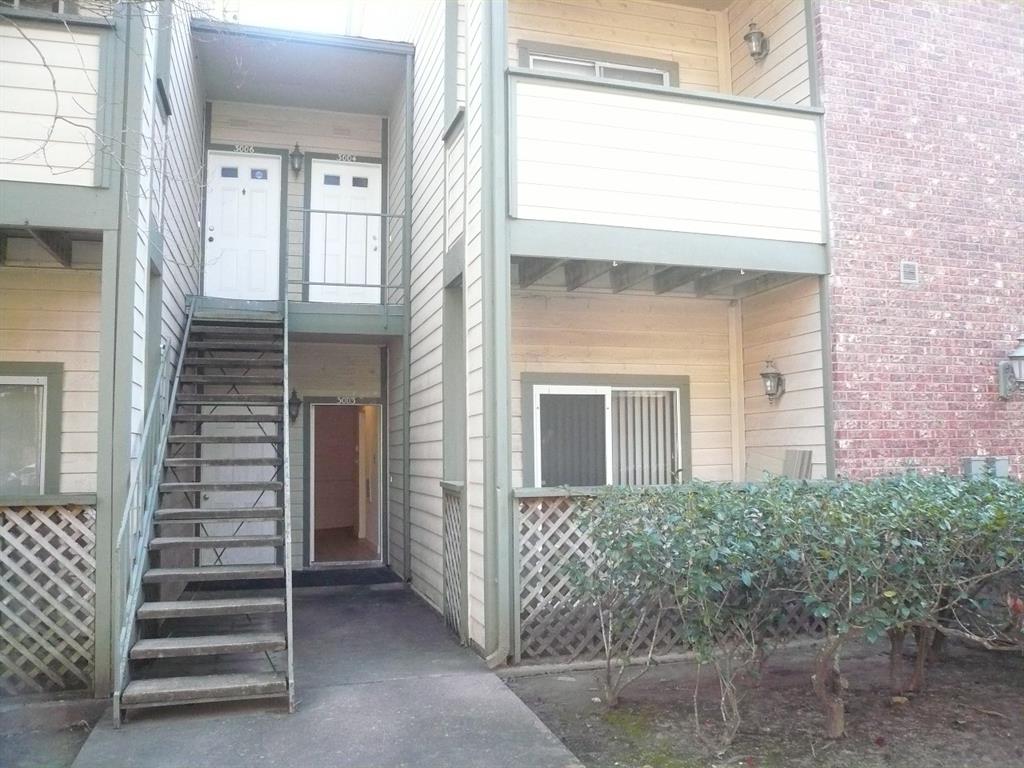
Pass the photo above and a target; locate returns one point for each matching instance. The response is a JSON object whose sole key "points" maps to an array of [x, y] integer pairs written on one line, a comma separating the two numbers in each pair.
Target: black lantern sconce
{"points": [[294, 406], [295, 158], [774, 382], [757, 43]]}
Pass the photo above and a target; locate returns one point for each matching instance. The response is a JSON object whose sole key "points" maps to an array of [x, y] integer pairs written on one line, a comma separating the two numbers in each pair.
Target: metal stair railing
{"points": [[131, 550], [286, 506]]}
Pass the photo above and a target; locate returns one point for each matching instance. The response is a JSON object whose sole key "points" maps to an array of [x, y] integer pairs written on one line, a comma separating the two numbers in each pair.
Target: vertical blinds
{"points": [[643, 437]]}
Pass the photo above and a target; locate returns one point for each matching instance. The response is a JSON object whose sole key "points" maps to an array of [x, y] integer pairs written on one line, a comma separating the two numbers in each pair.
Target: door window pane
{"points": [[572, 440], [22, 428]]}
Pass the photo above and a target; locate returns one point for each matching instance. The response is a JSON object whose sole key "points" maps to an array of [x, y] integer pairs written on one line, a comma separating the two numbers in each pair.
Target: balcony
{"points": [[688, 156]]}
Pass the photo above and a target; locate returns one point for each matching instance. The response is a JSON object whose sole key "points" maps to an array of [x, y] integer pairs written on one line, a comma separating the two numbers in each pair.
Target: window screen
{"points": [[572, 439], [643, 437], [596, 68], [22, 434], [563, 66]]}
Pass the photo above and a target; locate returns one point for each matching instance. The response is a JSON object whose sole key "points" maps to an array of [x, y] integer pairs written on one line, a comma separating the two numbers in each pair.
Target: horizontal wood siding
{"points": [[783, 325], [48, 71], [316, 131], [323, 370], [637, 335], [604, 156], [52, 315], [654, 30], [783, 75]]}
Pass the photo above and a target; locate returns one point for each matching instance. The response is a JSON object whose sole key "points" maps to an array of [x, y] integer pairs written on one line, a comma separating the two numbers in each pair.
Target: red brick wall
{"points": [[924, 122]]}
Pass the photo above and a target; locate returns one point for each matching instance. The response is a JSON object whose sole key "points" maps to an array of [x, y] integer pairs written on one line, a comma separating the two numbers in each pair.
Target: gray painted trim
{"points": [[454, 448], [283, 226], [310, 38], [825, 304], [662, 91], [501, 529], [595, 242], [636, 381], [106, 108], [63, 19], [54, 374], [313, 317], [385, 463], [454, 124], [57, 206], [451, 62], [812, 54], [204, 165], [50, 499], [454, 261], [526, 47], [410, 84]]}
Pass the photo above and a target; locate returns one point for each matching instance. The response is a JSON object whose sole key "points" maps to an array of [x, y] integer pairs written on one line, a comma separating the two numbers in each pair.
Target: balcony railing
{"points": [[587, 151]]}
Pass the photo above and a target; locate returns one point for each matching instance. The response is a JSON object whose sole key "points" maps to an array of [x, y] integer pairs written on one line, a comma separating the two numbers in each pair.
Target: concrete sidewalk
{"points": [[381, 684]]}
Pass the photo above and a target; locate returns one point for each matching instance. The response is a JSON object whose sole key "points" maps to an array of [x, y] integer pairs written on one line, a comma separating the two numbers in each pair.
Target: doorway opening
{"points": [[345, 484]]}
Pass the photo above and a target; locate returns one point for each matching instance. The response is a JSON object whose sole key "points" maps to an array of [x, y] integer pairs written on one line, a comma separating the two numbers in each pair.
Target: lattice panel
{"points": [[453, 569], [554, 623], [47, 598]]}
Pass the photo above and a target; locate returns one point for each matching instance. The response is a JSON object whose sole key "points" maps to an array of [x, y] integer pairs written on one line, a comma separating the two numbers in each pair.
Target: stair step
{"points": [[231, 398], [233, 344], [232, 362], [223, 439], [233, 378], [212, 573], [213, 485], [208, 645], [184, 609], [201, 689], [228, 417], [215, 542], [268, 461], [219, 329], [193, 515]]}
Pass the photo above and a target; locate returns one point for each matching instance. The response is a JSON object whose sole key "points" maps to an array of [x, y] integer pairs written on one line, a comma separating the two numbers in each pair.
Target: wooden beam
{"points": [[580, 273], [724, 281], [675, 277], [625, 276], [57, 244], [765, 282], [532, 270]]}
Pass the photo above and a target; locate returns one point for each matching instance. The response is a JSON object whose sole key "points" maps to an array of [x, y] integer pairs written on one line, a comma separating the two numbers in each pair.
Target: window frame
{"points": [[529, 50], [532, 386], [53, 375]]}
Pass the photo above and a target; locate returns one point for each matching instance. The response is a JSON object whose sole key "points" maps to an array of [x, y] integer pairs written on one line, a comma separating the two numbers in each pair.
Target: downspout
{"points": [[500, 532], [407, 328]]}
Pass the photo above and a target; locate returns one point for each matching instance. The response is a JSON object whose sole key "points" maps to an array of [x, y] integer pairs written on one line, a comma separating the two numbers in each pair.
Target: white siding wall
{"points": [[48, 71], [783, 75], [52, 315], [637, 335], [655, 30], [455, 186], [784, 325], [598, 156], [323, 370], [315, 131]]}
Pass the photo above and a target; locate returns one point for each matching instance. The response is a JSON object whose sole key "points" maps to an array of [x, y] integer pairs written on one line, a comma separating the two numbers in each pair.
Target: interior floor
{"points": [[334, 545]]}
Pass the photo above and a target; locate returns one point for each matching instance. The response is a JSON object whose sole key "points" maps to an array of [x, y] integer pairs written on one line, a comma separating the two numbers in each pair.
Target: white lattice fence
{"points": [[47, 598], [553, 623], [453, 573]]}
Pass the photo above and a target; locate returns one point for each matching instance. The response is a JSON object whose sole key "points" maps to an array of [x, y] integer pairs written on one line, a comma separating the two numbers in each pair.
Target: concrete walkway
{"points": [[381, 684]]}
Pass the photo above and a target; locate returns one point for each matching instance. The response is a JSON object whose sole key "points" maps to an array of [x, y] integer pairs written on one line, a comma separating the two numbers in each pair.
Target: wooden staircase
{"points": [[213, 621]]}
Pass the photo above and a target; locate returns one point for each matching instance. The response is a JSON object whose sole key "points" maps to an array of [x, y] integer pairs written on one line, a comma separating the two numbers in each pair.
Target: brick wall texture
{"points": [[924, 121]]}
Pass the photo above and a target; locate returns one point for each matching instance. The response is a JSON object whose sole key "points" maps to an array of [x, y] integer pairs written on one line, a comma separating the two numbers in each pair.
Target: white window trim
{"points": [[599, 65], [38, 381], [570, 389]]}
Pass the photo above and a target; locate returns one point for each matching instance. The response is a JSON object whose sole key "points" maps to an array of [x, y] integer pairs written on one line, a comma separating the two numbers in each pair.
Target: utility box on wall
{"points": [[982, 466]]}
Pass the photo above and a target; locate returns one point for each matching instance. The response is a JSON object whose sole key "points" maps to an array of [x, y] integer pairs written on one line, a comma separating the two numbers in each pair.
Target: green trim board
{"points": [[528, 47], [633, 381], [62, 19], [50, 500], [455, 261], [317, 317], [54, 375], [283, 239], [57, 206], [313, 38], [825, 303], [451, 61], [597, 242]]}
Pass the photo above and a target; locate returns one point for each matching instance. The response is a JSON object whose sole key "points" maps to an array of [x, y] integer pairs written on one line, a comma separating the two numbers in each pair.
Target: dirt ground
{"points": [[970, 716]]}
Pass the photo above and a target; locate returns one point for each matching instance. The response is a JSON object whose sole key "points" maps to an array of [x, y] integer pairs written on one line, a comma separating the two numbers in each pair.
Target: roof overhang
{"points": [[298, 69]]}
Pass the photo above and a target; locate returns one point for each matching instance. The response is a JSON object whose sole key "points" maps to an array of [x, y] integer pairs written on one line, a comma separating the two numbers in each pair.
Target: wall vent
{"points": [[909, 273]]}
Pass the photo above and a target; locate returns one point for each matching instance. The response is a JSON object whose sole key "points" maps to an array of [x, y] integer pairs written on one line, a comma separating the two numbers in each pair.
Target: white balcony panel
{"points": [[661, 160], [49, 81]]}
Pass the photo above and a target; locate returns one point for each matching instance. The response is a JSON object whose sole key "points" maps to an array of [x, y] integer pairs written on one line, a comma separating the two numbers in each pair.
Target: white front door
{"points": [[345, 247], [243, 226]]}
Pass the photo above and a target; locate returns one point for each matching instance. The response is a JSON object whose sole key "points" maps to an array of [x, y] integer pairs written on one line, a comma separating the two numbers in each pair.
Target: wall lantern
{"points": [[294, 406], [774, 382], [756, 42], [295, 158], [1011, 372]]}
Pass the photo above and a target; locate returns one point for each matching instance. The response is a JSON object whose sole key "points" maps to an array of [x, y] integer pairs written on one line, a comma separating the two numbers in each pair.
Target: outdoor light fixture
{"points": [[1011, 372], [774, 382], [294, 405], [295, 158], [756, 42]]}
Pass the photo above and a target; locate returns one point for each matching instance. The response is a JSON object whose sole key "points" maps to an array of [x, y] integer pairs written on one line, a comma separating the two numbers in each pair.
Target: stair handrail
{"points": [[132, 543], [286, 505]]}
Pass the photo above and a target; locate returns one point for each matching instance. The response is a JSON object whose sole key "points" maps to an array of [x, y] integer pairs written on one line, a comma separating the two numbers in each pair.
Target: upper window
{"points": [[22, 435], [597, 68], [605, 435]]}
